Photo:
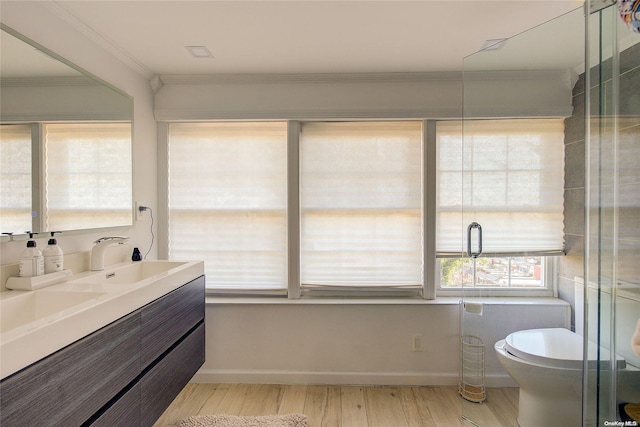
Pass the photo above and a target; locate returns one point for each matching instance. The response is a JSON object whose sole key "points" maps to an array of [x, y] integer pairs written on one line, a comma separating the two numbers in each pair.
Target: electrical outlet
{"points": [[416, 342], [139, 213]]}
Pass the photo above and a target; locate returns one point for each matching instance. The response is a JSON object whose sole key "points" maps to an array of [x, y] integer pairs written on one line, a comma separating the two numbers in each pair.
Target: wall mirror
{"points": [[65, 144]]}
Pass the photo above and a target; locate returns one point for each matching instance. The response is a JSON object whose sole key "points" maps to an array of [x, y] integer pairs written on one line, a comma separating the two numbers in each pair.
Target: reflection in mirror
{"points": [[65, 144], [15, 178]]}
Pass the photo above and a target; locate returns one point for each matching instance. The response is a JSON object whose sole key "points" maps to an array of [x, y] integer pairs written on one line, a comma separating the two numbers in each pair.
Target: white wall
{"points": [[357, 342], [42, 23], [311, 96], [354, 96]]}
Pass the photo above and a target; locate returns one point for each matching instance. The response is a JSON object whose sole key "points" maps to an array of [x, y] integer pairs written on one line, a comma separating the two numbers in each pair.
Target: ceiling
{"points": [[255, 37]]}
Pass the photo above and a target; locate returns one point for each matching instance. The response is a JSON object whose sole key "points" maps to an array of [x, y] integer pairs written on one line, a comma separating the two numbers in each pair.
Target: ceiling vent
{"points": [[493, 44], [199, 52]]}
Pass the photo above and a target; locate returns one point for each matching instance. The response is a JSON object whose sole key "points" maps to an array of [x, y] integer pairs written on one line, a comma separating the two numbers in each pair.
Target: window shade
{"points": [[509, 177], [361, 204], [87, 175], [228, 201], [15, 178]]}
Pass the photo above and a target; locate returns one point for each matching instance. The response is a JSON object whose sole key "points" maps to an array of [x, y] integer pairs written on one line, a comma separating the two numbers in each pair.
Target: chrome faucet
{"points": [[97, 252]]}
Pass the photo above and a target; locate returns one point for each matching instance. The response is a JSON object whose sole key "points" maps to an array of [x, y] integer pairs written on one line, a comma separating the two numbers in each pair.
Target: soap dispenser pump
{"points": [[53, 256], [31, 259]]}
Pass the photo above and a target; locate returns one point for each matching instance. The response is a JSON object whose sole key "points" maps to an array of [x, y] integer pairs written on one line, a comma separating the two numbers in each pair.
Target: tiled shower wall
{"points": [[629, 168], [572, 264]]}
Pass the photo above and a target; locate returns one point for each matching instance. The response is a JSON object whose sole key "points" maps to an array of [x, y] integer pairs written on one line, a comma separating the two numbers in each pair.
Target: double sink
{"points": [[34, 324]]}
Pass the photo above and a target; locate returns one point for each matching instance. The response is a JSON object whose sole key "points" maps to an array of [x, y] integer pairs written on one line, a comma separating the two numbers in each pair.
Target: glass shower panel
{"points": [[510, 87], [612, 238]]}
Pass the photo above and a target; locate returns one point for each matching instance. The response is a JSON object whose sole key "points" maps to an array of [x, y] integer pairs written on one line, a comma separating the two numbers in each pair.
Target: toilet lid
{"points": [[556, 347]]}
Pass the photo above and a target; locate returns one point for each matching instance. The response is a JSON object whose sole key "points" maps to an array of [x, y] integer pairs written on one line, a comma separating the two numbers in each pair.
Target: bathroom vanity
{"points": [[126, 372]]}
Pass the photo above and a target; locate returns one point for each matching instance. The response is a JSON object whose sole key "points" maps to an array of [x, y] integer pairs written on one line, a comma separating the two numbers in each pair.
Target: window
{"points": [[361, 204], [228, 202], [512, 184], [341, 208], [494, 272]]}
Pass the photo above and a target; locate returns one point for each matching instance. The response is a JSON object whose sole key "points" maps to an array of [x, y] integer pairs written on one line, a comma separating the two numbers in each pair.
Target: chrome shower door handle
{"points": [[470, 228]]}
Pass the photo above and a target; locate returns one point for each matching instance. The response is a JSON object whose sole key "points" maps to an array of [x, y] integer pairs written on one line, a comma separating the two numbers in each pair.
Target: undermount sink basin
{"points": [[133, 273], [23, 309]]}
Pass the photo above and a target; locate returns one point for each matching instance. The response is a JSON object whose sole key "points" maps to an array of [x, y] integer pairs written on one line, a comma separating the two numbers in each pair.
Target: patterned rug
{"points": [[287, 420]]}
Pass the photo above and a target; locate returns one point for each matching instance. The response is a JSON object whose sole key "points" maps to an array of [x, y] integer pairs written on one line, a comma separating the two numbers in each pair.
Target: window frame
{"points": [[414, 290], [430, 287], [236, 132]]}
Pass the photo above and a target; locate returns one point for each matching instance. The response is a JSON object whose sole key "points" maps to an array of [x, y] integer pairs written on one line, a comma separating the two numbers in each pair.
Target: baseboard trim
{"points": [[334, 378], [339, 378]]}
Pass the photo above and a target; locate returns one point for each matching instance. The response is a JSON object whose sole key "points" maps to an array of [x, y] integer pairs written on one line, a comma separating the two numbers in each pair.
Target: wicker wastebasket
{"points": [[471, 385]]}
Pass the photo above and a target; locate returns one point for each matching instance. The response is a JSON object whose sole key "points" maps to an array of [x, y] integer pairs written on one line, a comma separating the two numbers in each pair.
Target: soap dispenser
{"points": [[31, 259], [53, 257]]}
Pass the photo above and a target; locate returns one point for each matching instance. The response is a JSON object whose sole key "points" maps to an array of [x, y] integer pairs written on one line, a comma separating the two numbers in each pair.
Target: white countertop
{"points": [[27, 342]]}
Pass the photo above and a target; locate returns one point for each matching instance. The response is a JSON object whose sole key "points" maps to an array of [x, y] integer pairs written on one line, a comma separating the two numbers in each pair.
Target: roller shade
{"points": [[15, 178], [228, 201], [361, 204], [88, 178], [509, 177]]}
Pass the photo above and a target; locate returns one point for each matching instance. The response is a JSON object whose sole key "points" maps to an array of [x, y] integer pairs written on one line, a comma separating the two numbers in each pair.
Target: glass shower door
{"points": [[611, 394], [501, 96]]}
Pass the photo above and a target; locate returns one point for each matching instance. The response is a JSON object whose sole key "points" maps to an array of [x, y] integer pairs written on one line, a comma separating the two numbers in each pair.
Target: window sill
{"points": [[239, 300], [496, 293]]}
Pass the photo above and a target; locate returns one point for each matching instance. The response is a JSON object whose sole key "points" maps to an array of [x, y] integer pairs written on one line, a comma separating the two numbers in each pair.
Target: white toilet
{"points": [[547, 365]]}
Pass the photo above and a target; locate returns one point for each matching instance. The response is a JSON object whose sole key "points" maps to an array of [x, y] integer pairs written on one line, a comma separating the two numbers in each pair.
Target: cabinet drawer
{"points": [[170, 375], [169, 318], [125, 412], [69, 386]]}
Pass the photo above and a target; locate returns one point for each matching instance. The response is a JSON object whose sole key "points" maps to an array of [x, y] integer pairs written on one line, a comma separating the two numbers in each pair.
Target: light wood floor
{"points": [[347, 406]]}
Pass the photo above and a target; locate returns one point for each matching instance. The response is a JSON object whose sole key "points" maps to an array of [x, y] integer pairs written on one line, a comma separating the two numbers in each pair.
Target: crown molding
{"points": [[310, 78], [417, 77], [103, 41], [515, 75], [203, 114]]}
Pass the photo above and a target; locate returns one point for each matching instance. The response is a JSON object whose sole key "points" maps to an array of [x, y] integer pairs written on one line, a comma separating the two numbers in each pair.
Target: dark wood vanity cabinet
{"points": [[126, 373]]}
